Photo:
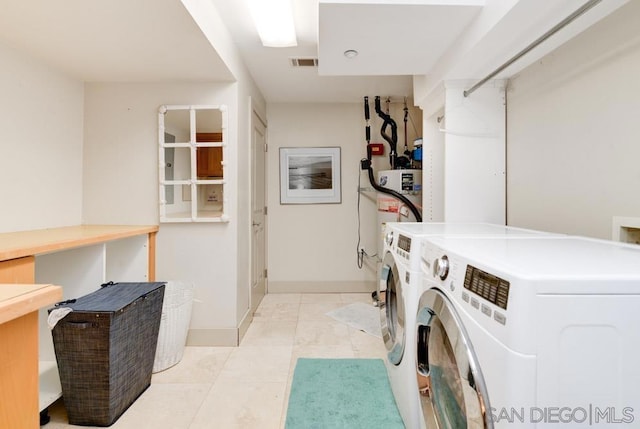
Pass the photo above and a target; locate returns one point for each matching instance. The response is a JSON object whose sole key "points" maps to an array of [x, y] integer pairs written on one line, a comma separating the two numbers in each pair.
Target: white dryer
{"points": [[399, 290], [529, 333]]}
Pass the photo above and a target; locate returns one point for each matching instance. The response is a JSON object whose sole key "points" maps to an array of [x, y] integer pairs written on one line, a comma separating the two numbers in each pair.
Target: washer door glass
{"points": [[392, 318], [453, 393]]}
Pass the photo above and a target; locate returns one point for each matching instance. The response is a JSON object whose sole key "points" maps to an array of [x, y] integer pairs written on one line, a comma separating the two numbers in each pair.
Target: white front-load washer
{"points": [[398, 279], [529, 333], [399, 290]]}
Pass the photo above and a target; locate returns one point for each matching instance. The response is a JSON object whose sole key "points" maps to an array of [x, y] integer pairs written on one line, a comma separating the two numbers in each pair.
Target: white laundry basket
{"points": [[174, 324]]}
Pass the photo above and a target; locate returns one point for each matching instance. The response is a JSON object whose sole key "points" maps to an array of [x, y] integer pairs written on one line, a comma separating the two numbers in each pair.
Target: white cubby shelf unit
{"points": [[185, 193]]}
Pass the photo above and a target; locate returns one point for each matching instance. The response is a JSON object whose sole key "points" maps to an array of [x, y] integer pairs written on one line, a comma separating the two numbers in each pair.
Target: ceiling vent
{"points": [[304, 62]]}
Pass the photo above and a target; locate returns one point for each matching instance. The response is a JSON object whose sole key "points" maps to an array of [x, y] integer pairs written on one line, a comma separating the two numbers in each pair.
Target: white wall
{"points": [[45, 119], [313, 247], [122, 129], [573, 128], [474, 153], [41, 145], [121, 187], [214, 28], [121, 145]]}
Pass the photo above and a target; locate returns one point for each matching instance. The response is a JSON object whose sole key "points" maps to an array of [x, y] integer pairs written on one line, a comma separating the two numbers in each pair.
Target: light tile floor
{"points": [[246, 387]]}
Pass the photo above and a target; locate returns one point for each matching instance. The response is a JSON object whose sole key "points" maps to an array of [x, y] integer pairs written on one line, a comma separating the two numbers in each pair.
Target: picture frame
{"points": [[310, 175]]}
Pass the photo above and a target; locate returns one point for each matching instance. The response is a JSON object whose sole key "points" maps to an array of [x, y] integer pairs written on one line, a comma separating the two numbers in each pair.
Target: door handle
{"points": [[256, 223]]}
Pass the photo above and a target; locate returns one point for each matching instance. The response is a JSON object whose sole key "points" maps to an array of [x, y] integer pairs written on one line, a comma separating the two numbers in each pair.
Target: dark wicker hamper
{"points": [[105, 349]]}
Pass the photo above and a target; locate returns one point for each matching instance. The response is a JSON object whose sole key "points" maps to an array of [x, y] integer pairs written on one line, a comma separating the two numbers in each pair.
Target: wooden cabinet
{"points": [[19, 305], [18, 270], [209, 159]]}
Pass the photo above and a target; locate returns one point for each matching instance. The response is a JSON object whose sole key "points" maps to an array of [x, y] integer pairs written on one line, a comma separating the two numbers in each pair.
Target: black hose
{"points": [[406, 115], [366, 108], [367, 118]]}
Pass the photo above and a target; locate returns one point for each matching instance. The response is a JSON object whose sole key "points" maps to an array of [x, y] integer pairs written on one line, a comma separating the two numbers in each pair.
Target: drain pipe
{"points": [[393, 140]]}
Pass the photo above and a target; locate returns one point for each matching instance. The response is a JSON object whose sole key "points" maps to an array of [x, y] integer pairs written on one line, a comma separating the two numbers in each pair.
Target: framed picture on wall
{"points": [[310, 175]]}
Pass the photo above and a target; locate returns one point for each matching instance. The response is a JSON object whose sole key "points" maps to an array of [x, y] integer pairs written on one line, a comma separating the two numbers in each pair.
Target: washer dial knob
{"points": [[389, 238], [441, 267]]}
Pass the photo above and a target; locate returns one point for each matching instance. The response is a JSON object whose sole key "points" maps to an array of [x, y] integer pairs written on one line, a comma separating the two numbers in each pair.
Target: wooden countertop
{"points": [[18, 300], [25, 243]]}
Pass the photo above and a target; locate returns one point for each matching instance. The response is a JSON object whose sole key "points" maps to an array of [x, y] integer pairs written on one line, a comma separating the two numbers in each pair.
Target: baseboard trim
{"points": [[321, 287], [244, 325], [213, 337]]}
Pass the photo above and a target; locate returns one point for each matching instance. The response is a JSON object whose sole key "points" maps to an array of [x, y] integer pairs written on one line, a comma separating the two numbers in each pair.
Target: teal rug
{"points": [[341, 394]]}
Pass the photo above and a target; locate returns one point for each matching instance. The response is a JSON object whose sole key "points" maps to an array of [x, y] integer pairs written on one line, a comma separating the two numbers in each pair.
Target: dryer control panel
{"points": [[490, 287]]}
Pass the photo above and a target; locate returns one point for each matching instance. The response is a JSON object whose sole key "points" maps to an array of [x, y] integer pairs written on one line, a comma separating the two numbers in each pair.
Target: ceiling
{"points": [[383, 32], [159, 41], [112, 40], [405, 38]]}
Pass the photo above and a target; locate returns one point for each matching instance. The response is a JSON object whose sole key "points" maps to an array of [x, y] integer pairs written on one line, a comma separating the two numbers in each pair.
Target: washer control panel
{"points": [[403, 246], [404, 243]]}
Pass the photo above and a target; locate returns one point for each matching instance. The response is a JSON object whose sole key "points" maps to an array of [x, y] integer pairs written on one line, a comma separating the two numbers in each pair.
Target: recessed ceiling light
{"points": [[350, 53], [274, 22]]}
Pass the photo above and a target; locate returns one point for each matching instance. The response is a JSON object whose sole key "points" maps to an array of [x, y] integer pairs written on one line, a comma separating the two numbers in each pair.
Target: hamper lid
{"points": [[111, 297]]}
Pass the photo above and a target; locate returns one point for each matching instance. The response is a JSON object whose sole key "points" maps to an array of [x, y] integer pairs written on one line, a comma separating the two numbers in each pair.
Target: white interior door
{"points": [[258, 212]]}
